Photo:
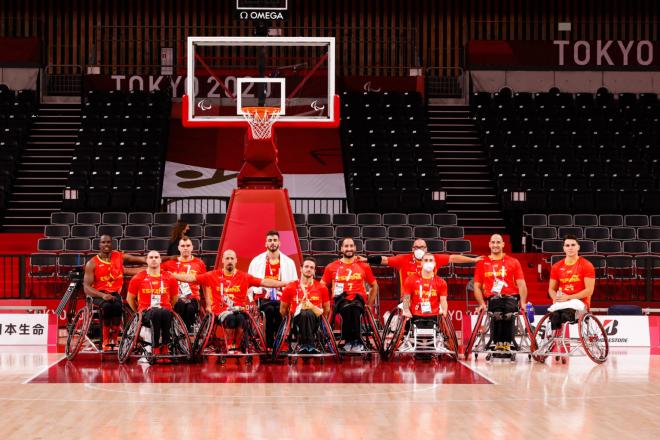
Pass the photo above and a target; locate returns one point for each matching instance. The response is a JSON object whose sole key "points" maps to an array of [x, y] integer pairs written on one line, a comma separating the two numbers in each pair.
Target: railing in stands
{"points": [[13, 276], [445, 82], [299, 205], [63, 79]]}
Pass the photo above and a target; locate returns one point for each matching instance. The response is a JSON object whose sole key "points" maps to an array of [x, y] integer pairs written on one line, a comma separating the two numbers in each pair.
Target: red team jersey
{"points": [[234, 287], [109, 275], [193, 266], [507, 269], [424, 294], [153, 291], [272, 272], [571, 276], [293, 295], [349, 278], [408, 265]]}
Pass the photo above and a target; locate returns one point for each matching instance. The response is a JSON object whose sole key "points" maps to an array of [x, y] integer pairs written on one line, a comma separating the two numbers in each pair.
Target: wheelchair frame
{"points": [[133, 346], [369, 334], [592, 339], [480, 338], [207, 339], [324, 341], [78, 340], [439, 340]]}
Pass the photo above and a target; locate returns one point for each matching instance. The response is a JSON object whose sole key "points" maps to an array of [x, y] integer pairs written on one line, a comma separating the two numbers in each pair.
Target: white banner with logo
{"points": [[622, 331], [24, 329]]}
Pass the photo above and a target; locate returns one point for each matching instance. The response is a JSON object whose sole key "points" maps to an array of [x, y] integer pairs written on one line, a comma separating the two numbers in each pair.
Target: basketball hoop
{"points": [[261, 120]]}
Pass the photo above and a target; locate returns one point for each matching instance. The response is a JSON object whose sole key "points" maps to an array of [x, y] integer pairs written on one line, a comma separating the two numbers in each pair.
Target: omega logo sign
{"points": [[261, 15]]}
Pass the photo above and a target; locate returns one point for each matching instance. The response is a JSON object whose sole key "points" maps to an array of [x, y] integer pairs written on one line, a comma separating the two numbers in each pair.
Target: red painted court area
{"points": [[90, 369]]}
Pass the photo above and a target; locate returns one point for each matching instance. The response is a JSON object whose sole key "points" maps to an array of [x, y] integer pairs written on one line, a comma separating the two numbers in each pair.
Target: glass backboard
{"points": [[227, 74]]}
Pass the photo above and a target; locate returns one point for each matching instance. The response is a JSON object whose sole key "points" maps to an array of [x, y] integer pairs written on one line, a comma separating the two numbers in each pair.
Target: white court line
{"points": [[343, 402], [43, 370], [478, 373], [287, 396]]}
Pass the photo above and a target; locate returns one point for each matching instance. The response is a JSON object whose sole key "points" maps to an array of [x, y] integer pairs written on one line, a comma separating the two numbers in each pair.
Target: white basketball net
{"points": [[261, 120]]}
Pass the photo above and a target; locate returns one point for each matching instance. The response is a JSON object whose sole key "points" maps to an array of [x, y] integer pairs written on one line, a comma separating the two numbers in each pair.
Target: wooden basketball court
{"points": [[45, 396]]}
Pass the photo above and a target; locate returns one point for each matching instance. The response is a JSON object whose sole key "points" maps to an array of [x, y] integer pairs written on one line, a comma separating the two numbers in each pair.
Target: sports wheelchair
{"points": [[210, 339], [86, 329], [134, 344], [324, 342], [480, 340], [370, 334], [420, 337], [591, 339]]}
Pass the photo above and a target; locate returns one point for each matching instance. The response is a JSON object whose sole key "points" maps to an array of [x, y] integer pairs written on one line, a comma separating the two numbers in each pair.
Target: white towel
{"points": [[570, 304]]}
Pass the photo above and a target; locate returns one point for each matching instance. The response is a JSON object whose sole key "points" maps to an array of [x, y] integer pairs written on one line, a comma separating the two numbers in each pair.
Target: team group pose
{"points": [[271, 293]]}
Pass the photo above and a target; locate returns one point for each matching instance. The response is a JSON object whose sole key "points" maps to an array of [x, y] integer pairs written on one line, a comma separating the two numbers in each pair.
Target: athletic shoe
{"points": [[165, 350], [358, 347], [348, 346], [313, 350], [143, 360]]}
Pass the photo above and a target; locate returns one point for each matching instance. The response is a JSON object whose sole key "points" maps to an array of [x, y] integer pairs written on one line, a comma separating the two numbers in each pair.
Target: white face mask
{"points": [[419, 253], [428, 267]]}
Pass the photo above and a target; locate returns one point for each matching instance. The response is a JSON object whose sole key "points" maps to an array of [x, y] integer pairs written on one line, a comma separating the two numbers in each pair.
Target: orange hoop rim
{"points": [[261, 111]]}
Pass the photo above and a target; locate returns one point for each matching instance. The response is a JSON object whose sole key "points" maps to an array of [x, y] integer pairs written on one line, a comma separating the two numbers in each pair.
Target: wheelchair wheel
{"points": [[474, 334], [130, 337], [256, 336], [593, 338], [539, 335], [203, 335], [374, 329], [447, 328], [392, 334], [329, 342], [180, 337], [530, 333], [77, 332], [281, 336]]}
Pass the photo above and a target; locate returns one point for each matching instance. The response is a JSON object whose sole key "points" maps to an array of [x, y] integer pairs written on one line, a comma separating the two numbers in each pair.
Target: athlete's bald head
{"points": [[229, 260], [496, 244]]}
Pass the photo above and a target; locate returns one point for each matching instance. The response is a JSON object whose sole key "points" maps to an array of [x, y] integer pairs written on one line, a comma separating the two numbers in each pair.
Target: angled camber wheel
{"points": [[393, 332], [474, 334], [593, 338], [374, 329], [130, 337], [256, 335], [281, 336], [447, 328], [528, 331], [78, 330], [329, 342], [203, 335], [180, 337], [541, 333]]}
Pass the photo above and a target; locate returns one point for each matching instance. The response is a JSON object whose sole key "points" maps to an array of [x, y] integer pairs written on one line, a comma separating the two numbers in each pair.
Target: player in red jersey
{"points": [[425, 294], [103, 281], [499, 279], [306, 300], [228, 294], [411, 264], [274, 265], [347, 277], [572, 281], [189, 297], [153, 293]]}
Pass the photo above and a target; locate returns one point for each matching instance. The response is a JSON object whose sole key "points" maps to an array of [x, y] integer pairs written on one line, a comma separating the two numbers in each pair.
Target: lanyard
{"points": [[426, 297]]}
